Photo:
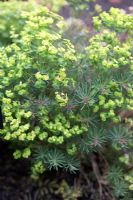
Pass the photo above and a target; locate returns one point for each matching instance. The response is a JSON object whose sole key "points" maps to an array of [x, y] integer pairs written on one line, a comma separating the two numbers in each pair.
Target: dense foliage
{"points": [[60, 104], [10, 18]]}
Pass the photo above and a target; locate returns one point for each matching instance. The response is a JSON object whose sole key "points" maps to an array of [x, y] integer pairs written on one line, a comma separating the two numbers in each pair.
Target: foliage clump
{"points": [[11, 18], [61, 104], [34, 89]]}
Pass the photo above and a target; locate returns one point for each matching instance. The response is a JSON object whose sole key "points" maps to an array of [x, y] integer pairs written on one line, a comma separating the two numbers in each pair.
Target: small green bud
{"points": [[26, 153], [17, 154]]}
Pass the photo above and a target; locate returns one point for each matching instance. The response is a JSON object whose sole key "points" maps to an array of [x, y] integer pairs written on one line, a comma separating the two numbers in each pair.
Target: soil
{"points": [[126, 5], [17, 184]]}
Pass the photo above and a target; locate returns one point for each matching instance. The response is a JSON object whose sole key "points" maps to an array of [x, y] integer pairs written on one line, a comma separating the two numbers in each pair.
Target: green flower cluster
{"points": [[111, 59], [115, 19], [111, 103], [11, 19], [107, 52], [25, 153], [35, 86]]}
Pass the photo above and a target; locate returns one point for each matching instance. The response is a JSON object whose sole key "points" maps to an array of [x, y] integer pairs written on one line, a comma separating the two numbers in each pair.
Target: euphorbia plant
{"points": [[59, 104], [11, 18], [34, 89]]}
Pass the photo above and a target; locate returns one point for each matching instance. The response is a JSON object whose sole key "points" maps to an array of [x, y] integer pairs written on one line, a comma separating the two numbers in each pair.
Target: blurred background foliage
{"points": [[78, 13]]}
